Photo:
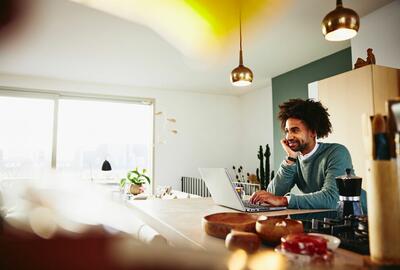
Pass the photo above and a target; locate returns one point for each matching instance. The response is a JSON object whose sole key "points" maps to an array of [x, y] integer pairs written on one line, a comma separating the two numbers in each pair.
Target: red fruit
{"points": [[305, 244]]}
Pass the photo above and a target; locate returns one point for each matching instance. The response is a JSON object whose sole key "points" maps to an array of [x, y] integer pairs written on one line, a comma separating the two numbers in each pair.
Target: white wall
{"points": [[208, 125], [213, 130], [379, 30], [256, 126]]}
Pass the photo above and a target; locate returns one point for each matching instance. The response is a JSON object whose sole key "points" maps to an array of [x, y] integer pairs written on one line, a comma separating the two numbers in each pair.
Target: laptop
{"points": [[223, 192]]}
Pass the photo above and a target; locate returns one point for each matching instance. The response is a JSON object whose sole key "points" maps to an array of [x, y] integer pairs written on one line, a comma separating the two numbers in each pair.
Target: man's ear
{"points": [[314, 134]]}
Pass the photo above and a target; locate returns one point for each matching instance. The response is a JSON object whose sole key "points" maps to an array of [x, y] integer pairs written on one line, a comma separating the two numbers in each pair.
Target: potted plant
{"points": [[136, 179]]}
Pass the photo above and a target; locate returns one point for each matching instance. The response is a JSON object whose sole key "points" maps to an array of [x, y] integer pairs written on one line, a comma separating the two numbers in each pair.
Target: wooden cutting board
{"points": [[383, 212]]}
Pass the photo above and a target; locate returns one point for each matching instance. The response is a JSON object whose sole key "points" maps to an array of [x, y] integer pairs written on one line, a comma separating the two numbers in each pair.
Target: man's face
{"points": [[298, 136]]}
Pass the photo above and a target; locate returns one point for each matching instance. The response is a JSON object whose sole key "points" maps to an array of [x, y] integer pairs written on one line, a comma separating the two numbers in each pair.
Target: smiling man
{"points": [[309, 164]]}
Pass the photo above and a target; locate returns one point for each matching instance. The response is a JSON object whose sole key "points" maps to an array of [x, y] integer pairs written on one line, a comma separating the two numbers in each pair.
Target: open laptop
{"points": [[223, 191]]}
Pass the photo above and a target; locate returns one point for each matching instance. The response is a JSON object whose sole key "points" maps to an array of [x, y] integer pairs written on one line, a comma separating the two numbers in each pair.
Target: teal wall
{"points": [[294, 84]]}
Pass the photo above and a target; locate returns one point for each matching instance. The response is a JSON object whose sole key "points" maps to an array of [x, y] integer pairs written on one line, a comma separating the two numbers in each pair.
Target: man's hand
{"points": [[287, 149], [263, 196]]}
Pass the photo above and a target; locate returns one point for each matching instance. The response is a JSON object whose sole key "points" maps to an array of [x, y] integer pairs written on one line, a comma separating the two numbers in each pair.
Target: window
{"points": [[25, 136], [89, 131]]}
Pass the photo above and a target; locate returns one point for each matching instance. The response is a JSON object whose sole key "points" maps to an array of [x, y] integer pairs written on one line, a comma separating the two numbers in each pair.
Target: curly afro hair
{"points": [[312, 113]]}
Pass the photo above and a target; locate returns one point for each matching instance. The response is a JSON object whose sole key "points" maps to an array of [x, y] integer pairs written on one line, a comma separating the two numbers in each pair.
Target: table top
{"points": [[180, 221]]}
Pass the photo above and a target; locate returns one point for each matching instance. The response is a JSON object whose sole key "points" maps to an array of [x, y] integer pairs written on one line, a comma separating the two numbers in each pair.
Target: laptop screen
{"points": [[221, 188]]}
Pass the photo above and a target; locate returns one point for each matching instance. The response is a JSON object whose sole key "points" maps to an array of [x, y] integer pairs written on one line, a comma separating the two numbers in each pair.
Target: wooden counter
{"points": [[180, 221]]}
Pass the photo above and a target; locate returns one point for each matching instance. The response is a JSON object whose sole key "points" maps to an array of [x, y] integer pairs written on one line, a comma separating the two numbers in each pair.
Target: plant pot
{"points": [[135, 189]]}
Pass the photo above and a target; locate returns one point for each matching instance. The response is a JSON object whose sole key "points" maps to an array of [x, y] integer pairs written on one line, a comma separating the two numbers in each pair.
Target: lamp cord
{"points": [[240, 27], [240, 34]]}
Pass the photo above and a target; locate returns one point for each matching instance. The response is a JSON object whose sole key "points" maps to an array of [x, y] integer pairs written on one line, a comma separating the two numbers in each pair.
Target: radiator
{"points": [[197, 186], [194, 186]]}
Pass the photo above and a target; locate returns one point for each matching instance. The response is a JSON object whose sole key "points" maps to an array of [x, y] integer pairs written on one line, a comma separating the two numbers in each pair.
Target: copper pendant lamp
{"points": [[341, 23], [241, 75]]}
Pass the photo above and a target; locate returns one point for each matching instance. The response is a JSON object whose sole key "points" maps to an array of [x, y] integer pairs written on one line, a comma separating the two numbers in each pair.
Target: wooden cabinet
{"points": [[350, 95]]}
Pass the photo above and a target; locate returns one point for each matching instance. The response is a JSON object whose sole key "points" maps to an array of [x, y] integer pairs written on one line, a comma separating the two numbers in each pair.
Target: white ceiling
{"points": [[66, 40]]}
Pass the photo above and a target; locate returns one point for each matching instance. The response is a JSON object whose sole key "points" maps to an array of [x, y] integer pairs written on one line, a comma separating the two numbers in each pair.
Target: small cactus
{"points": [[267, 156], [262, 172]]}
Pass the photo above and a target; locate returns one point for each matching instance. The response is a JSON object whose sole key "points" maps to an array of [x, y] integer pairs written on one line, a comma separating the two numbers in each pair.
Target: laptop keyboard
{"points": [[251, 205]]}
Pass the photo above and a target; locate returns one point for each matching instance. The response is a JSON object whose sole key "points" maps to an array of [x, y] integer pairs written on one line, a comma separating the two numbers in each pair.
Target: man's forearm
{"points": [[284, 179]]}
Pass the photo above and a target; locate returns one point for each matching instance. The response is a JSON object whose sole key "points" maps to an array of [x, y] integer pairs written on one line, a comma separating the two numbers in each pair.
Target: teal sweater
{"points": [[315, 177]]}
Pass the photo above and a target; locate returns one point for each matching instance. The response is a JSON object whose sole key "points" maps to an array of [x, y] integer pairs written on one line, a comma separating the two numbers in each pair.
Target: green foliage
{"points": [[135, 177]]}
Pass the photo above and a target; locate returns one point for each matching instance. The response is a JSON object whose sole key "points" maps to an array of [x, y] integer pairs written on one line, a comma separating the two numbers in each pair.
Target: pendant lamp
{"points": [[341, 23], [241, 75]]}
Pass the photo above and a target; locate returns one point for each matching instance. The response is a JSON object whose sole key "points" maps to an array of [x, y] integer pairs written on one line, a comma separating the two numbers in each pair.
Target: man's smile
{"points": [[293, 144]]}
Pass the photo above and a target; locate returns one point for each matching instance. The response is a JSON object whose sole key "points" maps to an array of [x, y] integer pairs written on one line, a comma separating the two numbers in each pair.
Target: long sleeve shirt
{"points": [[314, 176]]}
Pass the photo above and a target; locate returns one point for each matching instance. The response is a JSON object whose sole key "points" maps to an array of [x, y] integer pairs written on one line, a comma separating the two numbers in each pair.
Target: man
{"points": [[309, 164]]}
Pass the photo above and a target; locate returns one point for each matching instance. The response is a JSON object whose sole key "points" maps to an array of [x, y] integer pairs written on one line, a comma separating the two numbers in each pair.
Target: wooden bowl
{"points": [[220, 224], [273, 228]]}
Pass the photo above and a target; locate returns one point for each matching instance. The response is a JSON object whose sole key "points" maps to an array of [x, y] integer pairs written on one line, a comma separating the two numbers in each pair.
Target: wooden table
{"points": [[180, 221]]}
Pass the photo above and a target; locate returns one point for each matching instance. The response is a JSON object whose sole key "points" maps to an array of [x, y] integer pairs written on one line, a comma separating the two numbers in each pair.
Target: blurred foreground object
{"points": [[96, 249], [8, 10], [11, 12], [383, 215], [76, 225], [250, 242], [383, 200]]}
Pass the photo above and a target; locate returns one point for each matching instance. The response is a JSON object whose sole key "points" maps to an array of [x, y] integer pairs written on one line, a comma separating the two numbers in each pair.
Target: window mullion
{"points": [[55, 135]]}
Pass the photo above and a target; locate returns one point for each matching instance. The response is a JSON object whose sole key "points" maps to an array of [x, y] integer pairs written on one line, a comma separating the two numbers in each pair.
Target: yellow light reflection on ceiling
{"points": [[195, 27], [223, 15]]}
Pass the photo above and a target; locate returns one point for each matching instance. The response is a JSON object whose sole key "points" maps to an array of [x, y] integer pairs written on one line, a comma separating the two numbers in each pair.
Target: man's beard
{"points": [[299, 147]]}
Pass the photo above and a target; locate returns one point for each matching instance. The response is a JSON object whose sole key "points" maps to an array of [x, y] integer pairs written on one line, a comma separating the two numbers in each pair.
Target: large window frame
{"points": [[56, 95]]}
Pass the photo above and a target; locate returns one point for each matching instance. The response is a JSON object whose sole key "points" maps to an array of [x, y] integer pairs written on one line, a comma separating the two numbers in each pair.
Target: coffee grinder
{"points": [[349, 195]]}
